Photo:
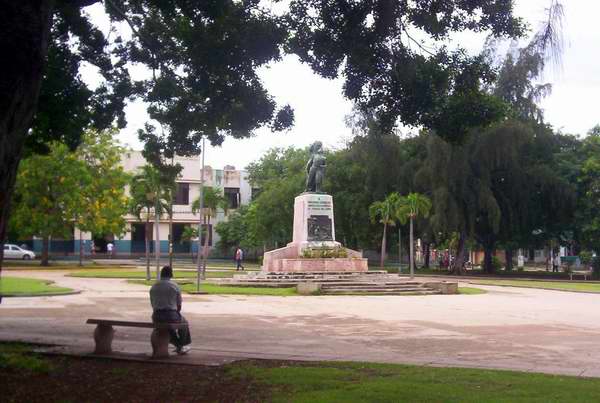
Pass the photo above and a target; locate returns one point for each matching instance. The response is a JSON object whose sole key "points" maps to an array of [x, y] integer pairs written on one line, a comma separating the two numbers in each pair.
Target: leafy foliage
{"points": [[370, 44]]}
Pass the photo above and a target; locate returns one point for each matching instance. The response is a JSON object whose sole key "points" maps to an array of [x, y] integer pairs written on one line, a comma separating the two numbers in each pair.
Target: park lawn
{"points": [[554, 285], [142, 274], [217, 289], [29, 286], [364, 382], [71, 267], [471, 291], [29, 377]]}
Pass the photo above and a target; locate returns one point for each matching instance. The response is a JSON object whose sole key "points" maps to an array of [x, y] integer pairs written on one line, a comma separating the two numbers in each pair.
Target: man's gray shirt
{"points": [[165, 294]]}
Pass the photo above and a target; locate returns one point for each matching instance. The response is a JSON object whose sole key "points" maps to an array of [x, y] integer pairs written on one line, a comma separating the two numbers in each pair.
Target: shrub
{"points": [[585, 256], [496, 264], [324, 252]]}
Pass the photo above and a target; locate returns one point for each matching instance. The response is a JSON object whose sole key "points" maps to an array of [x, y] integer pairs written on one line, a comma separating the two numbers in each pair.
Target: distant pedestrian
{"points": [[556, 263], [109, 249], [92, 247], [239, 257]]}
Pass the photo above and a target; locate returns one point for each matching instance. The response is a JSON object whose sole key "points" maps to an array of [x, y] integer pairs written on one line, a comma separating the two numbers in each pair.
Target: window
{"points": [[182, 194], [233, 197], [6, 247]]}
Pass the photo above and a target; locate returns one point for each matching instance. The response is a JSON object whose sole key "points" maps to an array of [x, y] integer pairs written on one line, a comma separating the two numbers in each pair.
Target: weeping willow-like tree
{"points": [[499, 187]]}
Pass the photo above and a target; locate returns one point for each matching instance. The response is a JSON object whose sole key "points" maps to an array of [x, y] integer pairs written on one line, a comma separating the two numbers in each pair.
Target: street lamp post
{"points": [[200, 248]]}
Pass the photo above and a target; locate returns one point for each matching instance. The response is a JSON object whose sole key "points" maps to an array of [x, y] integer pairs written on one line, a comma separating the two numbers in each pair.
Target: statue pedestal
{"points": [[313, 229]]}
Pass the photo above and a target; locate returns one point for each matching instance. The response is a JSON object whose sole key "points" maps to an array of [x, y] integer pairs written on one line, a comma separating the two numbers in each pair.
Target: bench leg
{"points": [[160, 343], [103, 336]]}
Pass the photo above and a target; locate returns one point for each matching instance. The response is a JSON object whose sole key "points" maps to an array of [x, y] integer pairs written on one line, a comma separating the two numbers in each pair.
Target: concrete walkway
{"points": [[507, 328]]}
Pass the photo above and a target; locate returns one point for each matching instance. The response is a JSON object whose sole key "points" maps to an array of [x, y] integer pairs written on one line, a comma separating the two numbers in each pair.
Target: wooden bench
{"points": [[104, 332]]}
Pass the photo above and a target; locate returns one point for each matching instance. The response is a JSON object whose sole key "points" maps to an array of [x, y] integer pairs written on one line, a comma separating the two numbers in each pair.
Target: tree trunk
{"points": [[45, 250], [412, 250], [157, 240], [459, 261], [171, 230], [383, 245], [426, 247], [147, 244], [205, 249], [488, 252], [80, 248], [24, 36], [508, 256], [399, 249]]}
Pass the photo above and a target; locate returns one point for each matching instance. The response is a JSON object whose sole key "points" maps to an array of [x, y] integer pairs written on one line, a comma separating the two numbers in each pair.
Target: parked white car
{"points": [[15, 252]]}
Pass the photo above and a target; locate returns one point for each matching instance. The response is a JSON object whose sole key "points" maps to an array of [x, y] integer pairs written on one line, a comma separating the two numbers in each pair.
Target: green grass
{"points": [[30, 266], [230, 290], [28, 286], [362, 382], [470, 291], [555, 285], [141, 274], [17, 357]]}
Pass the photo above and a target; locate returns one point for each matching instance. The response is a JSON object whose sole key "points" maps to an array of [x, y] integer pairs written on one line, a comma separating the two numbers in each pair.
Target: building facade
{"points": [[232, 183]]}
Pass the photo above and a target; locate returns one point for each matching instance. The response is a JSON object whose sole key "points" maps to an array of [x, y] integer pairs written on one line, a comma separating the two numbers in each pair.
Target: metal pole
{"points": [[199, 268]]}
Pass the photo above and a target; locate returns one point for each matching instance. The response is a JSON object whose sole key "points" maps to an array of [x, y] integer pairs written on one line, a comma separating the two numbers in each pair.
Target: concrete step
{"points": [[420, 291], [373, 286]]}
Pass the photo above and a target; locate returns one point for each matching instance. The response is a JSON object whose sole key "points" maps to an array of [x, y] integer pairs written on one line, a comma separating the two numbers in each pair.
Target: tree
{"points": [[48, 195], [384, 212], [589, 184], [148, 192], [371, 45], [239, 229], [409, 208], [213, 201], [203, 57], [280, 177], [102, 202]]}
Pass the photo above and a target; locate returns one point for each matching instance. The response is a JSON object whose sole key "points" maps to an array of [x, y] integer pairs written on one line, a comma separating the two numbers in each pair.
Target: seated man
{"points": [[165, 297]]}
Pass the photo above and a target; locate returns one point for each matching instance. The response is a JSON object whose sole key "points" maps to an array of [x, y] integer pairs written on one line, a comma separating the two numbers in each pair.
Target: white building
{"points": [[233, 184]]}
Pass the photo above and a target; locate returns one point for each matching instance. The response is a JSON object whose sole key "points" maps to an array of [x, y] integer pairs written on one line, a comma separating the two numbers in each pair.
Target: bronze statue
{"points": [[315, 168]]}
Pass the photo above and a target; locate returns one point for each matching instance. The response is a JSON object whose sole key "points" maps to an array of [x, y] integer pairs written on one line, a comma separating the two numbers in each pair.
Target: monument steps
{"points": [[381, 292], [385, 288]]}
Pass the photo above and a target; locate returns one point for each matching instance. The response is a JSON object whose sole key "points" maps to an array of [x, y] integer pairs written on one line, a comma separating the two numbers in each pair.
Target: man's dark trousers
{"points": [[180, 337]]}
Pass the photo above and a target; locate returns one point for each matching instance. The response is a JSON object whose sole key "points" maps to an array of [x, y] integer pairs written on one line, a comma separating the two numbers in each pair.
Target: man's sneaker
{"points": [[183, 350]]}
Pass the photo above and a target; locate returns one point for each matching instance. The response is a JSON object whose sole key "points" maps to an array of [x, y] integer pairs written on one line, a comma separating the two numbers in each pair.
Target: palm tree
{"points": [[148, 193], [384, 212], [408, 208], [213, 201]]}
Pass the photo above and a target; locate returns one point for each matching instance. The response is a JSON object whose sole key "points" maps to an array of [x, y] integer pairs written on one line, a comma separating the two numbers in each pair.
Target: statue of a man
{"points": [[315, 168]]}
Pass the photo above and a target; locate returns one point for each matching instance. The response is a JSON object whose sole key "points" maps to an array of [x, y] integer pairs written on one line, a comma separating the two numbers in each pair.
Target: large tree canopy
{"points": [[372, 45]]}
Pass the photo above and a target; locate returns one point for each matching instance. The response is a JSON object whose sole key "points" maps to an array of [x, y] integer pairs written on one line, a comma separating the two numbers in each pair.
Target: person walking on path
{"points": [[239, 257], [109, 249], [556, 263], [165, 297]]}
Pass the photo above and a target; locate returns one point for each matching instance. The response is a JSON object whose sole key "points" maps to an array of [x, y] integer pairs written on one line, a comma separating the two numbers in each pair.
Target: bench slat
{"points": [[125, 323]]}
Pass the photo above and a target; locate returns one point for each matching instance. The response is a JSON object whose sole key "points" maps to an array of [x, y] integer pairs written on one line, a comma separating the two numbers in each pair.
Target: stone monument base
{"points": [[313, 229], [287, 260]]}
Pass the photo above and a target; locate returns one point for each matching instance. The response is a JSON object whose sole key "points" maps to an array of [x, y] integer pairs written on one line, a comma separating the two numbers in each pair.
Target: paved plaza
{"points": [[507, 328]]}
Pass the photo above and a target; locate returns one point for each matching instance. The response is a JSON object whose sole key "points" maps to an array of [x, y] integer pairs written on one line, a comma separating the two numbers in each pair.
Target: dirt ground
{"points": [[77, 379]]}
